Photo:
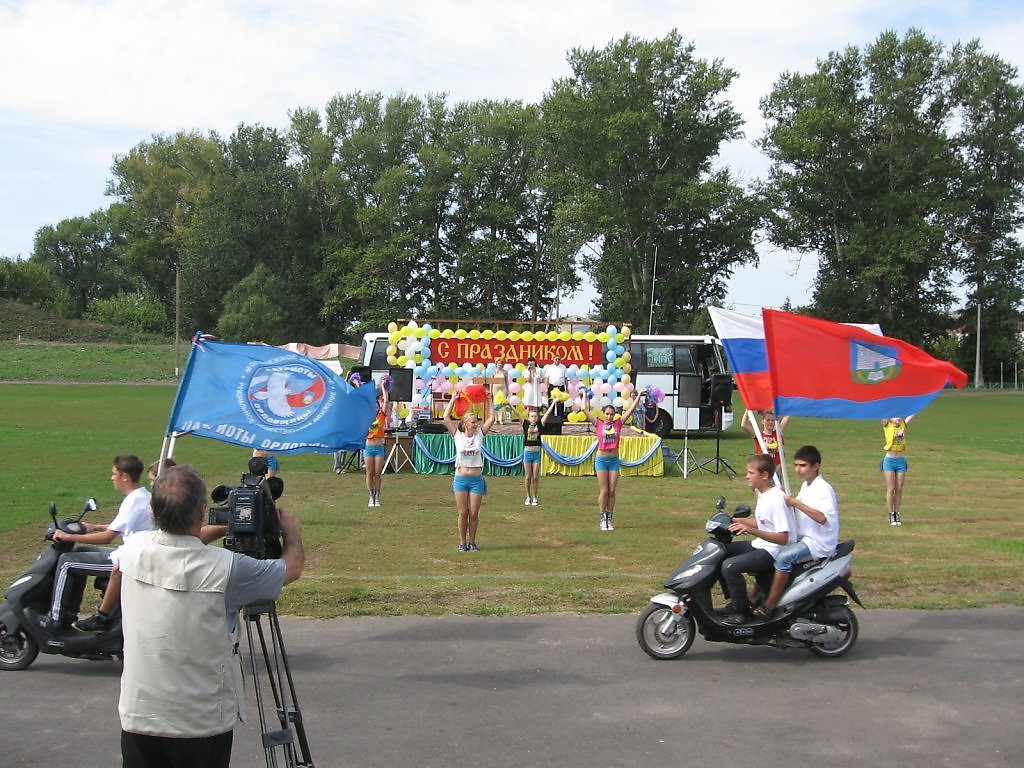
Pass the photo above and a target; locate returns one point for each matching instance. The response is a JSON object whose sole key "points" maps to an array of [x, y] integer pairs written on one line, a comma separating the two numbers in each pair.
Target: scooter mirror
{"points": [[742, 510], [720, 504]]}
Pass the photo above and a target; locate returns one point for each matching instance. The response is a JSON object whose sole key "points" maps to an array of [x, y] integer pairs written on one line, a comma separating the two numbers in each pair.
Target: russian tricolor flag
{"points": [[743, 340]]}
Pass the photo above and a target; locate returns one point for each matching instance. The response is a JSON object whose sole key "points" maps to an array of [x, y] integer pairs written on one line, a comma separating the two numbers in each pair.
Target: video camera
{"points": [[250, 512]]}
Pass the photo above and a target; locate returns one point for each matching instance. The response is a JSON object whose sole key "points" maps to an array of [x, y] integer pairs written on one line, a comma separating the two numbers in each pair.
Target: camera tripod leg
{"points": [[282, 687]]}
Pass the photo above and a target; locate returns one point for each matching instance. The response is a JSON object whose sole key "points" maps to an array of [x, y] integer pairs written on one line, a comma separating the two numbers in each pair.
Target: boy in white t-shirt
{"points": [[75, 567], [770, 529], [817, 524]]}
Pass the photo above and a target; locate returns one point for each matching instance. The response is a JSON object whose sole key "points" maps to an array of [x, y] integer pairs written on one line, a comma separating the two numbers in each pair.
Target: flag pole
{"points": [[170, 436]]}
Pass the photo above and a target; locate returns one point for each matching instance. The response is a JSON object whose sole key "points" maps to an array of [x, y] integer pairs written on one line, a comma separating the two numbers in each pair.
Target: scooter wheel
{"points": [[848, 626], [17, 650], [664, 634]]}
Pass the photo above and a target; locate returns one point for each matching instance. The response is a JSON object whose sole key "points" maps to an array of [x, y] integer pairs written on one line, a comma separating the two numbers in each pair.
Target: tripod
{"points": [[285, 703], [721, 465], [398, 455]]}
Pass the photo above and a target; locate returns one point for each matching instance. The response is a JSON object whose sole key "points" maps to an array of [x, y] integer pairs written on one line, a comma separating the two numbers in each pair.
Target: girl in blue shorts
{"points": [[606, 462], [894, 465], [468, 485], [531, 453]]}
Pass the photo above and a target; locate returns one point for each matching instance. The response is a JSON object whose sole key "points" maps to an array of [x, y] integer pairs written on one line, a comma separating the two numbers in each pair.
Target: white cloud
{"points": [[114, 71]]}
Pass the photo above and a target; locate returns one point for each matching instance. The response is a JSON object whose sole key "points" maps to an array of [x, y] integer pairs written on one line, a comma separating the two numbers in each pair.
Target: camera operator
{"points": [[181, 686]]}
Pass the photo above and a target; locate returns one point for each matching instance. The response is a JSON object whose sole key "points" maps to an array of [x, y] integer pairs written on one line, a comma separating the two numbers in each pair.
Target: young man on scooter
{"points": [[770, 529], [93, 559], [817, 525]]}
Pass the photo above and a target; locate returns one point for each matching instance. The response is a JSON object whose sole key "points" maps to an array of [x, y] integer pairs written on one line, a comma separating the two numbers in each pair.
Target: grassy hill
{"points": [[39, 346], [31, 324]]}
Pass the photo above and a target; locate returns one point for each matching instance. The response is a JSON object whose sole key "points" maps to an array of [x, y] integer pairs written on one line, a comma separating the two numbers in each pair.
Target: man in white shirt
{"points": [[770, 529], [554, 375], [75, 567], [817, 524]]}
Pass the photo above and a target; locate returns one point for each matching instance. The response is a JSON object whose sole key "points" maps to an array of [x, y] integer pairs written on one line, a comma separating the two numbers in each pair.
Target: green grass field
{"points": [[962, 543]]}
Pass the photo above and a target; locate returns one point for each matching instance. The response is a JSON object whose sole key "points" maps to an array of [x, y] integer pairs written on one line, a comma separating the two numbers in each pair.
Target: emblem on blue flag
{"points": [[284, 394]]}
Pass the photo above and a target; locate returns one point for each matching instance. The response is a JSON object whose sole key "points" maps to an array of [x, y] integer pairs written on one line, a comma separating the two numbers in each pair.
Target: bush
{"points": [[133, 311]]}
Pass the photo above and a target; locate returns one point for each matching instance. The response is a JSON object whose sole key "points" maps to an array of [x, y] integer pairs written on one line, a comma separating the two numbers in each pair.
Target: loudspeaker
{"points": [[688, 390], [401, 385], [434, 428], [721, 390]]}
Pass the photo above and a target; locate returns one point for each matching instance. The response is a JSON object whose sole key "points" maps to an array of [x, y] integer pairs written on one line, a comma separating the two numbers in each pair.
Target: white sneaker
{"points": [[608, 523], [535, 501], [604, 521], [527, 502]]}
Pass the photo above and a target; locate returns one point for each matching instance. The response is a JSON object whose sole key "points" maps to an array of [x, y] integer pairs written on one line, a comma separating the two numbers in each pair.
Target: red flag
{"points": [[821, 368]]}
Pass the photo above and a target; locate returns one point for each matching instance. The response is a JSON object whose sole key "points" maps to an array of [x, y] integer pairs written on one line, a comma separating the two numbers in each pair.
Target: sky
{"points": [[85, 80]]}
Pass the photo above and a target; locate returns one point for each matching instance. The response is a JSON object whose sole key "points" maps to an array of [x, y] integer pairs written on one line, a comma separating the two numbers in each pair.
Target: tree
{"points": [[633, 135], [860, 175], [252, 215], [80, 253], [988, 188], [159, 185], [252, 310], [34, 284]]}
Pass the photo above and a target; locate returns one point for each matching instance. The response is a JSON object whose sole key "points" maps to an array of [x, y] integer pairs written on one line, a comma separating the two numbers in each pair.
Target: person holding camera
{"points": [[181, 683]]}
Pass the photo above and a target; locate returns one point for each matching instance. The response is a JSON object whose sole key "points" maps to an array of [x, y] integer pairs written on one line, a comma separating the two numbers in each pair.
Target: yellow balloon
{"points": [[488, 334], [474, 334], [501, 335], [392, 327], [460, 334], [434, 333], [626, 378], [619, 362], [401, 361], [447, 333], [577, 335], [392, 350], [564, 336], [513, 336], [419, 333], [392, 360], [603, 337], [590, 336], [626, 332], [627, 356], [619, 338], [417, 358], [395, 337]]}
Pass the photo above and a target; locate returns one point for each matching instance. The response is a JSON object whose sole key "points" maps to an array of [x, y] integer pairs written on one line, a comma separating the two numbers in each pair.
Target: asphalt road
{"points": [[919, 690]]}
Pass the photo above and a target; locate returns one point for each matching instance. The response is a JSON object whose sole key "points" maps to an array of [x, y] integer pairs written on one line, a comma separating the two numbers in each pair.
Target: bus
{"points": [[694, 376], [691, 371]]}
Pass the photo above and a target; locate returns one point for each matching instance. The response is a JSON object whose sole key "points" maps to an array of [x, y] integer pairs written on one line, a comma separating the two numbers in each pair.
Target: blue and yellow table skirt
{"points": [[568, 455]]}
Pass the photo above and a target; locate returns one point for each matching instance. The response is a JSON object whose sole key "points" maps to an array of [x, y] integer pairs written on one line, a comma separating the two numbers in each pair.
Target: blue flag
{"points": [[269, 398]]}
